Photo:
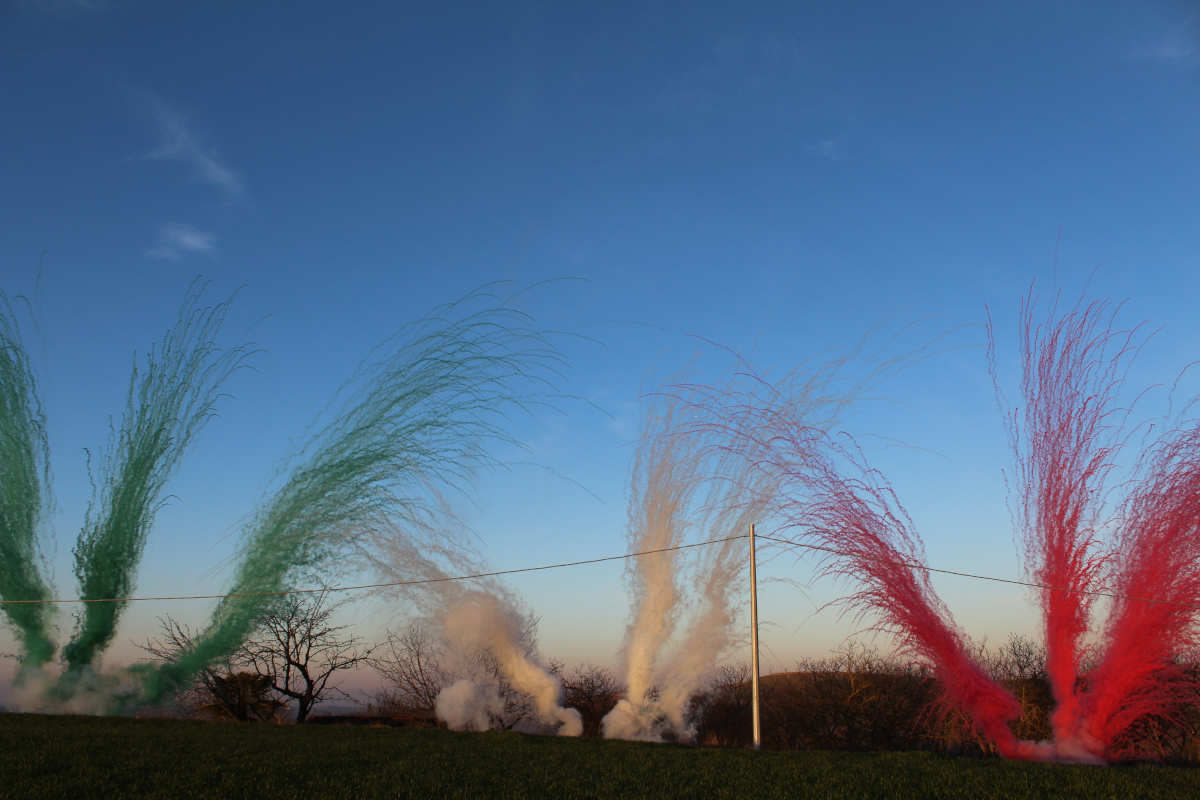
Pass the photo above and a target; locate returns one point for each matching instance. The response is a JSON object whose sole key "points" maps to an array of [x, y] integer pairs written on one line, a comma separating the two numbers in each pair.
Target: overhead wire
{"points": [[976, 576], [386, 585], [582, 562]]}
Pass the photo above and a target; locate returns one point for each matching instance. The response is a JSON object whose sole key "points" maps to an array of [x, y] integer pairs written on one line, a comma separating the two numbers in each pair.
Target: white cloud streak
{"points": [[176, 240], [179, 143]]}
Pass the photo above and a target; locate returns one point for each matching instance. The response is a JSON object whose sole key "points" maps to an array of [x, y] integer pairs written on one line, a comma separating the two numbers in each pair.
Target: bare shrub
{"points": [[411, 663], [592, 691]]}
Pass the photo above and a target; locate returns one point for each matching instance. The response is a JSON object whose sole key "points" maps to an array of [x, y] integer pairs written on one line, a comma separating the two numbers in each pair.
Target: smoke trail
{"points": [[665, 475], [167, 406], [1064, 444], [24, 476], [735, 494], [1065, 452], [479, 621], [1155, 617], [709, 634], [695, 469], [862, 520], [417, 422]]}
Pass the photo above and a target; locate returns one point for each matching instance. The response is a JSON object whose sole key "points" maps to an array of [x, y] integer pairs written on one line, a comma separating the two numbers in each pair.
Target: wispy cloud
{"points": [[1176, 42], [830, 149], [178, 142], [175, 241], [1178, 48]]}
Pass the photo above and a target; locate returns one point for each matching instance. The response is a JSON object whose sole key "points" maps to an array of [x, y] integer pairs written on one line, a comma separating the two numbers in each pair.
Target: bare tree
{"points": [[299, 648], [592, 691], [1022, 658], [418, 665], [411, 662]]}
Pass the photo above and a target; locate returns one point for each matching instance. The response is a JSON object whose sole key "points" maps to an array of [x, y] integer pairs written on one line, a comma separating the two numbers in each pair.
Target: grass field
{"points": [[78, 757]]}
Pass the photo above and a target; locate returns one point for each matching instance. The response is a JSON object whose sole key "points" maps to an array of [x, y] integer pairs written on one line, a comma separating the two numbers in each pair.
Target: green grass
{"points": [[62, 756]]}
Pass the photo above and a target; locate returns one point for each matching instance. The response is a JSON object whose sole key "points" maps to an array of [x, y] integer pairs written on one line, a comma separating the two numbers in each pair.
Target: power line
{"points": [[1013, 581], [443, 579], [601, 559]]}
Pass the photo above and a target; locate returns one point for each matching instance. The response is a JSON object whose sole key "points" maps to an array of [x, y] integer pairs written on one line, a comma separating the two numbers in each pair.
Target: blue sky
{"points": [[779, 179]]}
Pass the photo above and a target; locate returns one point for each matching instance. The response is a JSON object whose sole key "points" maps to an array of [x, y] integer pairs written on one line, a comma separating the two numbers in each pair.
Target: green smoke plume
{"points": [[168, 403], [24, 476], [419, 421]]}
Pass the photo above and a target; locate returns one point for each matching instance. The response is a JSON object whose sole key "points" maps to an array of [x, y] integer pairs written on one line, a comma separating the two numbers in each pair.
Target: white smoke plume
{"points": [[468, 706], [93, 694], [730, 508], [683, 481], [664, 478], [481, 621], [635, 723], [476, 624], [690, 484], [708, 637]]}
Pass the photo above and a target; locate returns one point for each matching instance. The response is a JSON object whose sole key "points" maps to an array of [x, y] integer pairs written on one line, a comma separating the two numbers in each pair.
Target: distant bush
{"points": [[855, 700], [860, 700]]}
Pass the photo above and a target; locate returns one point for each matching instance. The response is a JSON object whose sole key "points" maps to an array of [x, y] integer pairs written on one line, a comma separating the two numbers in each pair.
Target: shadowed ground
{"points": [[61, 756]]}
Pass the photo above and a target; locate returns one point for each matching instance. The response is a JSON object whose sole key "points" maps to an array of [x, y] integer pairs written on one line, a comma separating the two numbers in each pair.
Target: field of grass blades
{"points": [[73, 756]]}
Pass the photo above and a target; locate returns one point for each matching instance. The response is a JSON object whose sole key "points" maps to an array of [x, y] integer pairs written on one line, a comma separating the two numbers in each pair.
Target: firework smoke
{"points": [[468, 706], [479, 621], [724, 505], [167, 406], [696, 471], [825, 495], [870, 539], [486, 637], [665, 476], [709, 634], [1064, 444], [1155, 615], [417, 423], [1067, 448], [24, 477]]}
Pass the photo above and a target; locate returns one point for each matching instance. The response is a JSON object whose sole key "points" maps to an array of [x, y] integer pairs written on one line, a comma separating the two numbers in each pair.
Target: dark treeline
{"points": [[859, 699], [856, 699]]}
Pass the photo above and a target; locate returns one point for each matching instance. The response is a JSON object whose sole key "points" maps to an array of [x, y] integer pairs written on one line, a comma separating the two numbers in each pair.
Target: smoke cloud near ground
{"points": [[488, 637], [481, 621], [468, 706]]}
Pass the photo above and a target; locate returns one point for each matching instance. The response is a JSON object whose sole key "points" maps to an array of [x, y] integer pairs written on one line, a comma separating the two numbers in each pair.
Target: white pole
{"points": [[754, 641]]}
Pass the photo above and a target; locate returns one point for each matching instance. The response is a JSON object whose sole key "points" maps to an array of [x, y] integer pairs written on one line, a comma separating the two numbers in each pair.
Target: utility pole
{"points": [[754, 640]]}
